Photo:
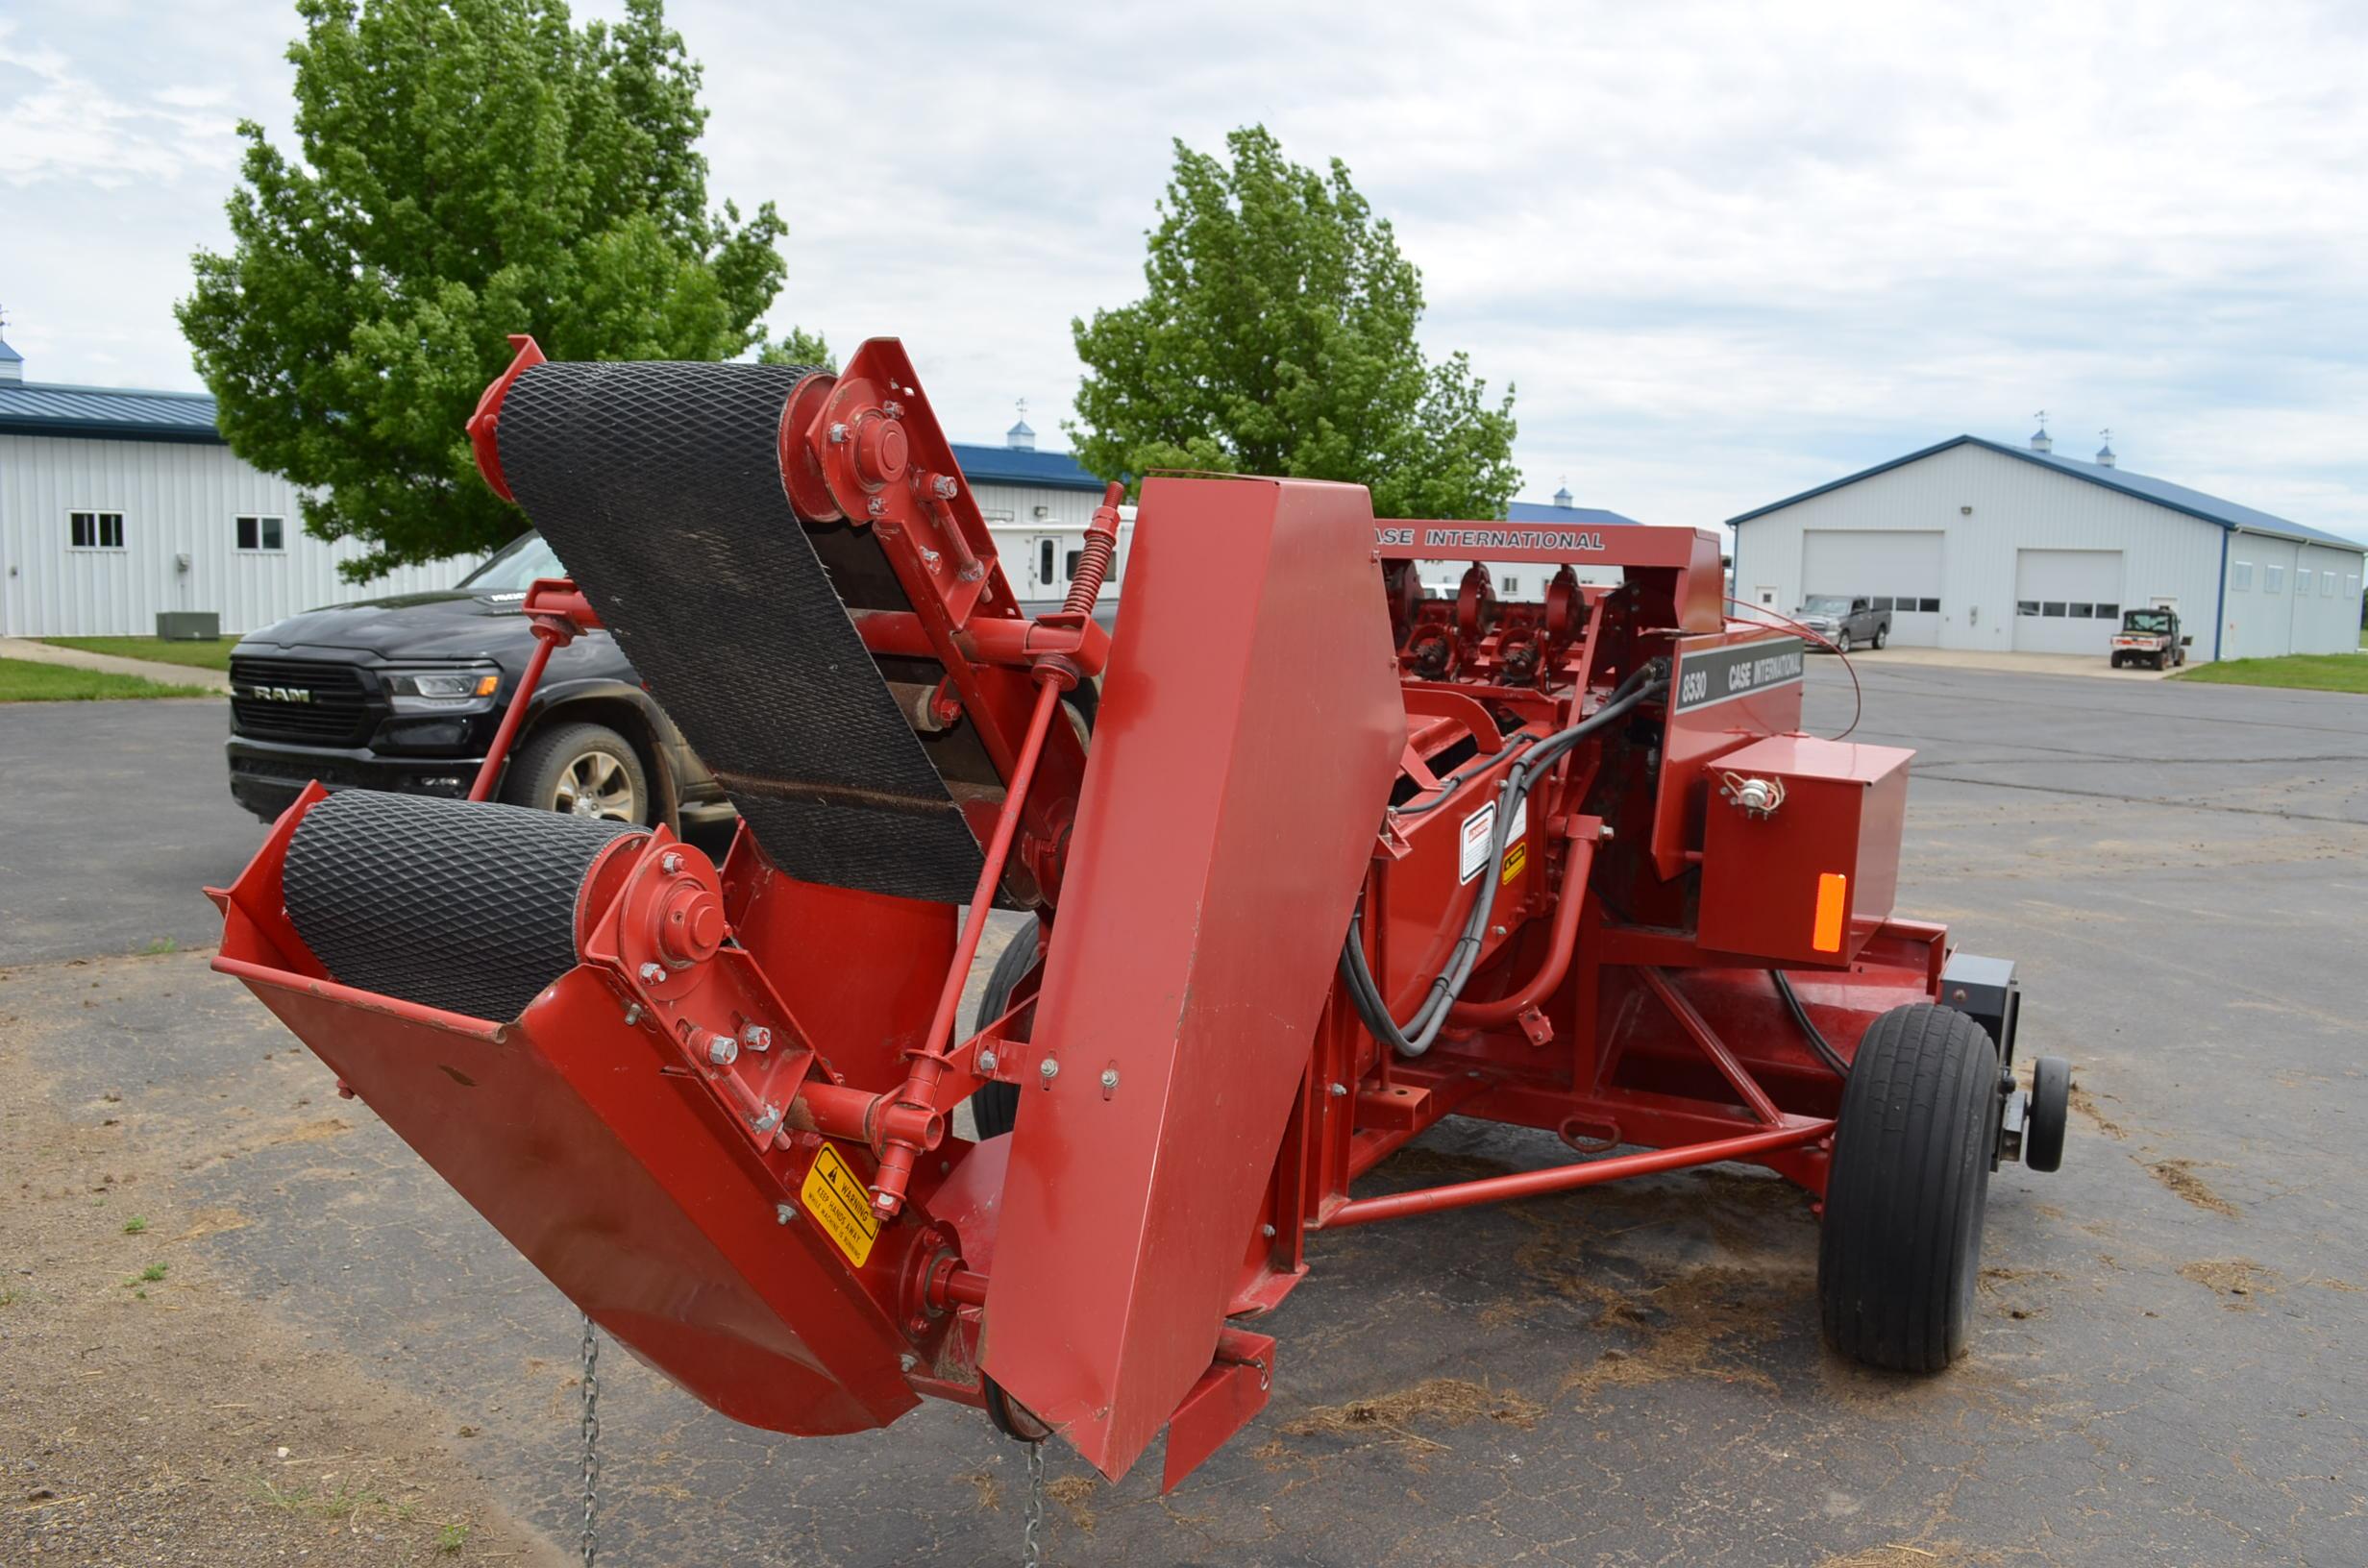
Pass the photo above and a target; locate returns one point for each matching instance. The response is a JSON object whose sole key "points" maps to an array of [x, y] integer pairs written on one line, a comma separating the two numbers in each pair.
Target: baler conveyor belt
{"points": [[660, 485], [453, 905]]}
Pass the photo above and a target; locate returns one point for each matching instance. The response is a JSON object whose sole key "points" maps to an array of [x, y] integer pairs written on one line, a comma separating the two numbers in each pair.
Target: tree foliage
{"points": [[1277, 336], [464, 169]]}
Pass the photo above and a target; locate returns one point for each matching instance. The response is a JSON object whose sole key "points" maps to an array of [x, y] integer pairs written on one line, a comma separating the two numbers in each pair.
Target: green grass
{"points": [[2299, 671], [21, 680], [136, 1225], [213, 655]]}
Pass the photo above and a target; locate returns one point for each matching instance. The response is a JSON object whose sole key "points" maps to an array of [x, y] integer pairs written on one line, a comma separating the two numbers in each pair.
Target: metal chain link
{"points": [[1035, 1505], [591, 1438]]}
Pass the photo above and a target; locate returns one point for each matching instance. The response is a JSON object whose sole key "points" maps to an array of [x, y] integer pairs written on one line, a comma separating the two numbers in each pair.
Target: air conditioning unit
{"points": [[188, 627]]}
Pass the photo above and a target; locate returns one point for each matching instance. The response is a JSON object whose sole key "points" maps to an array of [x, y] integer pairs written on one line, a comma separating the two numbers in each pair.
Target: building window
{"points": [[2351, 586], [1044, 562], [1884, 605], [2108, 612], [2026, 606], [2273, 578], [1929, 606], [2302, 582], [1508, 585], [264, 533], [1076, 558], [2327, 585], [95, 531], [2052, 608], [2240, 577]]}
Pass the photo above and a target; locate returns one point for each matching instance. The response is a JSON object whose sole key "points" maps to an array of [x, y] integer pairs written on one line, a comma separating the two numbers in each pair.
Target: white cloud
{"points": [[1725, 251]]}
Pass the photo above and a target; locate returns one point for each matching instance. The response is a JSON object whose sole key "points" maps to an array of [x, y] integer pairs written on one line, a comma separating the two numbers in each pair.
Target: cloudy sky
{"points": [[1724, 252]]}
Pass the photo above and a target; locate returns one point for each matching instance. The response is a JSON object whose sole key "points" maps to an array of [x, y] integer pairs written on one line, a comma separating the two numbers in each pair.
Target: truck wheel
{"points": [[1883, 635], [2117, 661], [996, 1107], [583, 770], [1841, 641], [1904, 1200]]}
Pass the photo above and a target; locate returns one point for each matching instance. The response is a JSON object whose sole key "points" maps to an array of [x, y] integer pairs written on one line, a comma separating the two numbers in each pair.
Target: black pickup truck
{"points": [[405, 693], [1846, 622]]}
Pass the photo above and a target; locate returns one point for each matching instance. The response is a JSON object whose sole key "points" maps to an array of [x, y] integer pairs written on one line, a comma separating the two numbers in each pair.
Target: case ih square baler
{"points": [[1326, 861]]}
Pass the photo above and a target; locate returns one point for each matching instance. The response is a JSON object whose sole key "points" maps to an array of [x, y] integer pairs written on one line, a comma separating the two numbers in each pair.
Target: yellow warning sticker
{"points": [[840, 1206], [1516, 857]]}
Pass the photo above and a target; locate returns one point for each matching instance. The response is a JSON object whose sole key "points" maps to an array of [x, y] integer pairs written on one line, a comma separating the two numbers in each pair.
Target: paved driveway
{"points": [[2171, 1363]]}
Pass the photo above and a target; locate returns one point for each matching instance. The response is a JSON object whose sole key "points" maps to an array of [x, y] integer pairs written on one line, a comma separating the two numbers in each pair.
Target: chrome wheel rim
{"points": [[597, 785]]}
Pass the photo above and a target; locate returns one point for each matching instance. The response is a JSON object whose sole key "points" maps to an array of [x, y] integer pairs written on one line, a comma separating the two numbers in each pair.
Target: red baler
{"points": [[1314, 859]]}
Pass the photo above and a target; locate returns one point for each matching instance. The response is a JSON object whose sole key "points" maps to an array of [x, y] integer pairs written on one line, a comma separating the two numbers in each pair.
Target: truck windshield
{"points": [[2146, 620], [1827, 604], [513, 568]]}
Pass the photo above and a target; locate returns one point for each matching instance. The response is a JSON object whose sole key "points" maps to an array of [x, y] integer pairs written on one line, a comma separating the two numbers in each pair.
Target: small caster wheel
{"points": [[1904, 1200], [2051, 1105]]}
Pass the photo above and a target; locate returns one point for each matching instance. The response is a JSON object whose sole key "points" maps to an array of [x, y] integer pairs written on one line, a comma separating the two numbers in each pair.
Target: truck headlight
{"points": [[443, 690]]}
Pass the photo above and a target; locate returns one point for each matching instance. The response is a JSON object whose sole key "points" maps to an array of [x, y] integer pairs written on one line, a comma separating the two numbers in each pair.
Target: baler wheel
{"points": [[995, 1107], [2051, 1106], [1902, 1242]]}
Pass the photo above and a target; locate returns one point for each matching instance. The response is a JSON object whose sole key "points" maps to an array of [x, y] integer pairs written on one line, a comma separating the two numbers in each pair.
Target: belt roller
{"points": [[469, 908], [660, 485]]}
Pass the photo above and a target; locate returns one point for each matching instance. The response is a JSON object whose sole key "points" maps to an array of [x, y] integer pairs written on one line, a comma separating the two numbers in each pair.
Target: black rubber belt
{"points": [[447, 903], [659, 487]]}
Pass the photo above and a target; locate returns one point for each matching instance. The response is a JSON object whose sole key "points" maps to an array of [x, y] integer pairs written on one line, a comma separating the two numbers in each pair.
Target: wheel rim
{"points": [[596, 784]]}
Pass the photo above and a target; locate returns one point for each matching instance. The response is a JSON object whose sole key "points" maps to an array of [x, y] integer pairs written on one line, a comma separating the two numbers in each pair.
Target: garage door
{"points": [[2066, 601], [1899, 570]]}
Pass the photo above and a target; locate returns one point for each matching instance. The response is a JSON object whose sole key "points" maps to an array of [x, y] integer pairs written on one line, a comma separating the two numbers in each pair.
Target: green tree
{"points": [[464, 169], [799, 347], [1277, 336]]}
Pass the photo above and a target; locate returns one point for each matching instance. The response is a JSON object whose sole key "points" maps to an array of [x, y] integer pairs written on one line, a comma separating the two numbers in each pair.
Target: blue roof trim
{"points": [[1531, 511], [125, 414], [2177, 498], [106, 413], [1008, 465]]}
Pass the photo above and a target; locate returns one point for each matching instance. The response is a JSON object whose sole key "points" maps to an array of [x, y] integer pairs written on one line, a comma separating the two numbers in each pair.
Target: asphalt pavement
{"points": [[2170, 1364]]}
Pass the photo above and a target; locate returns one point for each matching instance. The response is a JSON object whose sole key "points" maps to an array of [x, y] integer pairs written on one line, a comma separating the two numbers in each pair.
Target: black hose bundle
{"points": [[1415, 1036]]}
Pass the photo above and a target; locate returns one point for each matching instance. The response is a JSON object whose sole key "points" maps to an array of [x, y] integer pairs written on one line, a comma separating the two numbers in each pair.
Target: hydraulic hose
{"points": [[1415, 1036], [1817, 1037]]}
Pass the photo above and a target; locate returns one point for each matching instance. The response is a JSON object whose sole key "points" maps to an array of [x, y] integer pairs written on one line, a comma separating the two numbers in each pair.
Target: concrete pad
{"points": [[2099, 667], [166, 674], [2169, 1336]]}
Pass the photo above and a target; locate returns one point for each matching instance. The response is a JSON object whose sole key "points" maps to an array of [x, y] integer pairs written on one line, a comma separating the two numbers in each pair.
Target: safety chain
{"points": [[591, 1438], [1035, 1504]]}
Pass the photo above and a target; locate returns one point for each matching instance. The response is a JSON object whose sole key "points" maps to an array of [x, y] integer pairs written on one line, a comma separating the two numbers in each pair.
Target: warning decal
{"points": [[838, 1204], [1517, 858], [1472, 851]]}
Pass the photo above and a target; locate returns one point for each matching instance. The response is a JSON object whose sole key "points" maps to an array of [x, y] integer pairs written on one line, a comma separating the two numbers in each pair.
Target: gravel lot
{"points": [[2169, 1368]]}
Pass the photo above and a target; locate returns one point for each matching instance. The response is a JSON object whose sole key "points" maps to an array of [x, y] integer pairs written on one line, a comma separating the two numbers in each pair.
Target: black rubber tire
{"points": [[2049, 1112], [539, 767], [1883, 636], [996, 1107], [1902, 1242], [2117, 661], [1841, 641]]}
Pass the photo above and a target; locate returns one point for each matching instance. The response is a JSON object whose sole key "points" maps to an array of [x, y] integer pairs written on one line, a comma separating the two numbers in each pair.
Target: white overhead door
{"points": [[1898, 569], [2066, 601]]}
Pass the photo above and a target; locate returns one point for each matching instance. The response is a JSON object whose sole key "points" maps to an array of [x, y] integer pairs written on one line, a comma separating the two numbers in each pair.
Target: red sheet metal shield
{"points": [[1249, 729]]}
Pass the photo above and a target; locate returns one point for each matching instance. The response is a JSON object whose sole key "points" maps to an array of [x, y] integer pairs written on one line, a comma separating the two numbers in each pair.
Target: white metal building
{"points": [[1977, 545], [117, 503]]}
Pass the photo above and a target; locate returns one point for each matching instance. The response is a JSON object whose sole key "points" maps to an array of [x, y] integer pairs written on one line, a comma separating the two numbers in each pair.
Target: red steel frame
{"points": [[1595, 1014]]}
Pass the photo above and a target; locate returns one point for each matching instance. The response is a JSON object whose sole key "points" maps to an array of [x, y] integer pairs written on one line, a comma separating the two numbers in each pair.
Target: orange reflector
{"points": [[1833, 902]]}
